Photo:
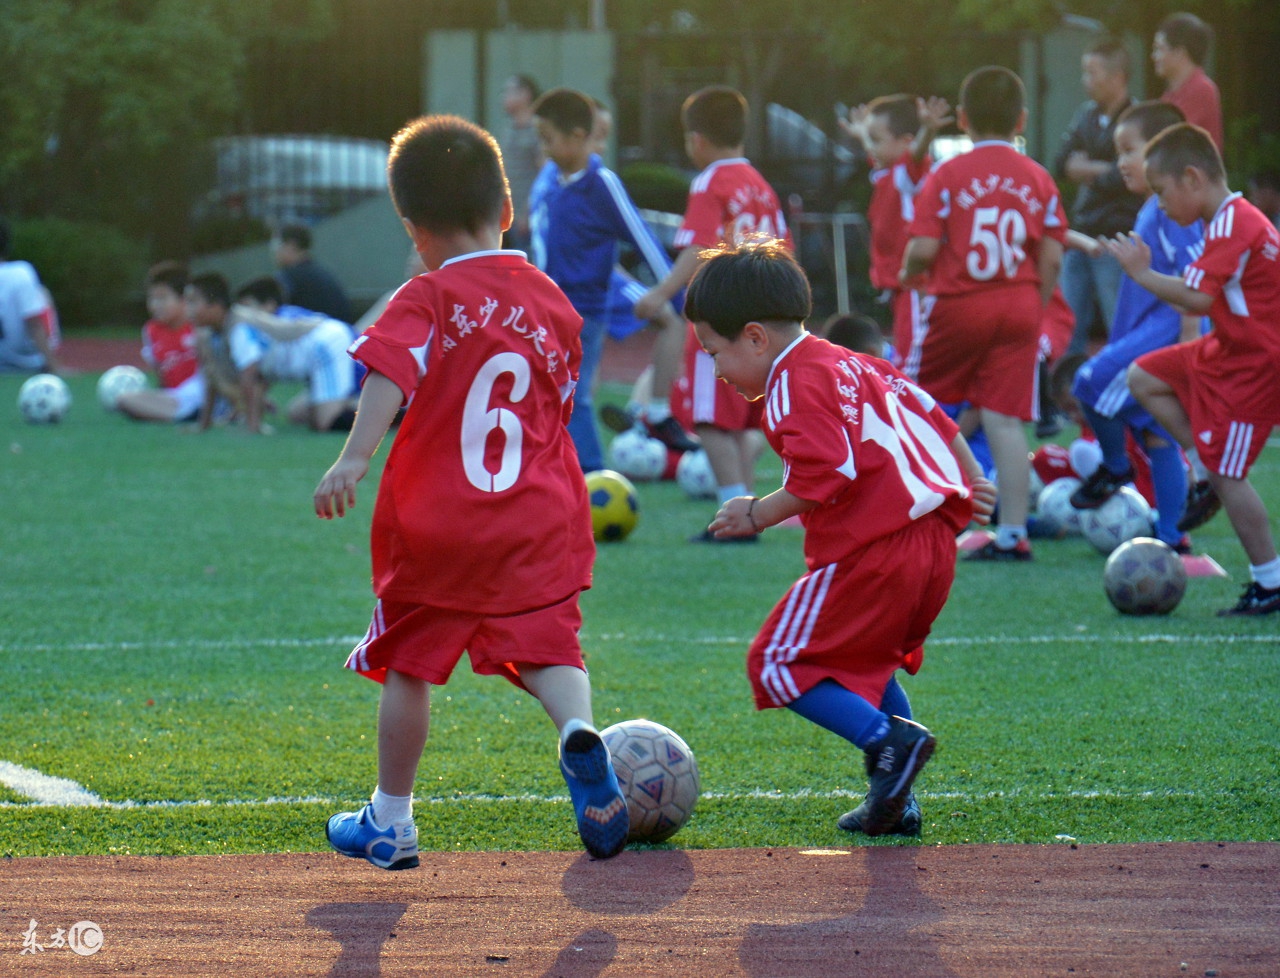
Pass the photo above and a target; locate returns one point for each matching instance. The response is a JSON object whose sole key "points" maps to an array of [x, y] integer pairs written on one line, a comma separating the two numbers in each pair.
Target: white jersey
{"points": [[21, 298]]}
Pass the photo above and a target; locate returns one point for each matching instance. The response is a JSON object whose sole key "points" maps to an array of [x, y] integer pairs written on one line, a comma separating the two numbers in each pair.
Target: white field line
{"points": [[51, 792], [348, 641]]}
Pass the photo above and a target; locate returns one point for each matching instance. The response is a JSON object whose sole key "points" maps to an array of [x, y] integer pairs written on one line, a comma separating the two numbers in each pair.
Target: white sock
{"points": [[1008, 534], [658, 411], [390, 808], [1267, 575], [1198, 470], [732, 492]]}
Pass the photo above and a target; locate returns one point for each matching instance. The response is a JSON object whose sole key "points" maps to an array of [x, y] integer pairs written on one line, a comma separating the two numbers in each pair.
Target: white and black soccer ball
{"points": [[637, 456], [123, 379], [658, 775], [1144, 576], [1054, 506], [44, 399], [1122, 517], [694, 475]]}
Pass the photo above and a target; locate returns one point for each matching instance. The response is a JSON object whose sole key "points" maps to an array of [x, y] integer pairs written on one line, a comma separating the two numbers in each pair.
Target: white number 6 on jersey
{"points": [[478, 420]]}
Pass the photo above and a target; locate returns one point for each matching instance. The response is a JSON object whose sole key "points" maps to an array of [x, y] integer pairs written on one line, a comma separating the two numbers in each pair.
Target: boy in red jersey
{"points": [[1217, 394], [169, 345], [988, 229], [882, 481], [896, 131], [729, 201], [481, 531]]}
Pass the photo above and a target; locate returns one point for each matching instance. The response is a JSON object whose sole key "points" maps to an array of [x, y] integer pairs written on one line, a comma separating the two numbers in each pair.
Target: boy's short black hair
{"points": [[756, 281], [264, 289], [899, 113], [528, 84], [1113, 51], [1151, 118], [1189, 32], [298, 235], [718, 113], [446, 175], [856, 332], [213, 288], [993, 98], [171, 274], [1182, 146], [566, 109]]}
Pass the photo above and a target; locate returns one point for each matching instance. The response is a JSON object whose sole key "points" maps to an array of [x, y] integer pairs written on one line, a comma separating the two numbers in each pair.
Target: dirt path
{"points": [[925, 912]]}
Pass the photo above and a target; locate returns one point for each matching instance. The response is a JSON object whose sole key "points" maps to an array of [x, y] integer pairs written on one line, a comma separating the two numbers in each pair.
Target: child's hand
{"points": [[1130, 251], [855, 125], [984, 501], [649, 306], [733, 519], [337, 490], [934, 112]]}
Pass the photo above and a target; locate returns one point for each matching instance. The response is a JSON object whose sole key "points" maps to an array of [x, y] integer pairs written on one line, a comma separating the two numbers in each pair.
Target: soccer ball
{"points": [[124, 379], [615, 507], [1144, 576], [1037, 487], [44, 399], [1054, 505], [1122, 517], [694, 475], [637, 456], [658, 775]]}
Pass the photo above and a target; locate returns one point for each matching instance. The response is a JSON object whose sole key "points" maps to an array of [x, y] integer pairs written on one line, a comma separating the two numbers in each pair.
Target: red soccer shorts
{"points": [[905, 306], [1225, 444], [856, 621], [980, 348], [426, 642], [709, 400]]}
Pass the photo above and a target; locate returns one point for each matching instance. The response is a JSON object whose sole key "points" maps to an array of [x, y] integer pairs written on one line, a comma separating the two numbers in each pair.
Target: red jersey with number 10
{"points": [[991, 207], [482, 505], [862, 441], [729, 202]]}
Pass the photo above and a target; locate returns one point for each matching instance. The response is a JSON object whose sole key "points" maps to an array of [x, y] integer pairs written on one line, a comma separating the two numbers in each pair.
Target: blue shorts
{"points": [[1102, 382]]}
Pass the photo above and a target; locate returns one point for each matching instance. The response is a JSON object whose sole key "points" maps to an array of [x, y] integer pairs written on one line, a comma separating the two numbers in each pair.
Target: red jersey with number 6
{"points": [[862, 441], [729, 202], [482, 505], [991, 207]]}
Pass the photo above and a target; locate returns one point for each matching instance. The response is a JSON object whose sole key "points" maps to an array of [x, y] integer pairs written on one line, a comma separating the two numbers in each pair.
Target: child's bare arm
{"points": [[650, 304], [1083, 242], [1190, 328], [918, 258], [1134, 257], [379, 401], [983, 492], [1049, 263], [745, 515], [276, 327]]}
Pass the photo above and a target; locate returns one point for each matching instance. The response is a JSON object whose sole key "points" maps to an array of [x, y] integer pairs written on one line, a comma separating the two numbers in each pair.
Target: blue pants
{"points": [[1089, 284], [582, 422]]}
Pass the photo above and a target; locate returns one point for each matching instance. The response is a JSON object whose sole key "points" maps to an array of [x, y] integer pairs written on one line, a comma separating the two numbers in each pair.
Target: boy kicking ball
{"points": [[481, 531], [1217, 394], [882, 481]]}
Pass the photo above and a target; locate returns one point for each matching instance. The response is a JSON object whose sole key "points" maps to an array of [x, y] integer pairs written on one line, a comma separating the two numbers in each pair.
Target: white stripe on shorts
{"points": [[1236, 453], [792, 634], [358, 660]]}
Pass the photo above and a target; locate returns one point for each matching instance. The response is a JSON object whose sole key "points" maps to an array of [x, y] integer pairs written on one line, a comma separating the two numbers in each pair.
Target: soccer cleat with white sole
{"points": [[357, 835]]}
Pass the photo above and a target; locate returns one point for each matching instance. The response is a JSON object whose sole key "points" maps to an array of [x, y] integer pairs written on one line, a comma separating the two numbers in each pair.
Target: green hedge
{"points": [[90, 269], [656, 187]]}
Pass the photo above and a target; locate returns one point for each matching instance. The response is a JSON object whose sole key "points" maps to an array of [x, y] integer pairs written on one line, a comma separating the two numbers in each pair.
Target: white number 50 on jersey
{"points": [[478, 420], [996, 243]]}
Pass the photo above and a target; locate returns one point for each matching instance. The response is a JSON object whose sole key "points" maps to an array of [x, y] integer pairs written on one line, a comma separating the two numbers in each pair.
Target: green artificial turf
{"points": [[175, 621]]}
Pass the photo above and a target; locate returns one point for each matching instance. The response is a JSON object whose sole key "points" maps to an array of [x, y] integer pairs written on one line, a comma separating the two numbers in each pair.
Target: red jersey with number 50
{"points": [[1240, 270], [729, 202], [482, 505], [991, 207], [858, 438]]}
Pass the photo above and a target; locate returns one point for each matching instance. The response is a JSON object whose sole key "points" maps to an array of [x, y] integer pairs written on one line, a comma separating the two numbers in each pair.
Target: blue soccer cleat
{"points": [[601, 810], [355, 834]]}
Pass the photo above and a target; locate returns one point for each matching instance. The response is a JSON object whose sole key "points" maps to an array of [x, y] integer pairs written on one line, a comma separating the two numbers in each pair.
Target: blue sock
{"points": [[895, 702], [1110, 434], [1170, 481], [845, 714]]}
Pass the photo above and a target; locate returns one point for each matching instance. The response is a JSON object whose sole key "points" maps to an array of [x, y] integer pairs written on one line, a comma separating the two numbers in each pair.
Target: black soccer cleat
{"points": [[893, 763], [671, 433], [908, 822], [1202, 505], [1256, 600], [1099, 487]]}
